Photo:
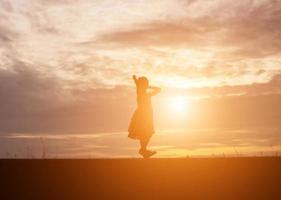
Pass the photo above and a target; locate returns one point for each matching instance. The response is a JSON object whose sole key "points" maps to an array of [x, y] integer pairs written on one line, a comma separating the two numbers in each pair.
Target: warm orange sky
{"points": [[66, 66]]}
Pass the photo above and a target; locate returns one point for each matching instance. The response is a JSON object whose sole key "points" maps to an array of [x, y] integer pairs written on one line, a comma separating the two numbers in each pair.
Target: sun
{"points": [[179, 104]]}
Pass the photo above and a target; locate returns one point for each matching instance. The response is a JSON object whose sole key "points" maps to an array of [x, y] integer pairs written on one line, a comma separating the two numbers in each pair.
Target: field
{"points": [[179, 178]]}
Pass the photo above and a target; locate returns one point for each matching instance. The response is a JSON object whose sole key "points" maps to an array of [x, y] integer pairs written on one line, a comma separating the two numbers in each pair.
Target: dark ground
{"points": [[190, 178]]}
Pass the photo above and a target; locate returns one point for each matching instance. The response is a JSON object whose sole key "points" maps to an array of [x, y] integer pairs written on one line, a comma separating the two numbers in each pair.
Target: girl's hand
{"points": [[135, 79], [155, 90]]}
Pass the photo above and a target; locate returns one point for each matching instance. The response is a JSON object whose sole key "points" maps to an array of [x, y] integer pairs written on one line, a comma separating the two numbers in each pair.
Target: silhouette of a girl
{"points": [[141, 125]]}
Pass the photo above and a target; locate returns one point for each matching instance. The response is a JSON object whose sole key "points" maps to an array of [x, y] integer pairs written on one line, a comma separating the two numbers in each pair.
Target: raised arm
{"points": [[154, 90], [135, 79]]}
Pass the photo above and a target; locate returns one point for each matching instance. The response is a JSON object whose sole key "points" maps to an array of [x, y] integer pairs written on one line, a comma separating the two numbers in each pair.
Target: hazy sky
{"points": [[66, 65]]}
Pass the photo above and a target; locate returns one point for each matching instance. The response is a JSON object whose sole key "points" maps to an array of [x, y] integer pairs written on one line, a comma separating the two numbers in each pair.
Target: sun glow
{"points": [[179, 104]]}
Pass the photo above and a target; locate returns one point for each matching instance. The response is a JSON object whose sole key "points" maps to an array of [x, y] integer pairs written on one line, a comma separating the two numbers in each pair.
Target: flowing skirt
{"points": [[141, 125]]}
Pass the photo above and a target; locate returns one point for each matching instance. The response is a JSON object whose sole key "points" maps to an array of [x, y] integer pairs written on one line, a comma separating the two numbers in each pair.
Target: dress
{"points": [[141, 125]]}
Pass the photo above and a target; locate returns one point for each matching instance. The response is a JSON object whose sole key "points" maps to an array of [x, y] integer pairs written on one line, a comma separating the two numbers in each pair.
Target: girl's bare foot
{"points": [[147, 153]]}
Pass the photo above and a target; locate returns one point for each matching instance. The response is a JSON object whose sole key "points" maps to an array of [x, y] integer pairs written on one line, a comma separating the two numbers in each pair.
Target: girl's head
{"points": [[143, 82]]}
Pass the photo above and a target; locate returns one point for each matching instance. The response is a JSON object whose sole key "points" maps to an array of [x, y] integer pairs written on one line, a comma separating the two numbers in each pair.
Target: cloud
{"points": [[67, 65], [32, 101], [256, 89], [24, 93], [180, 40], [196, 142], [158, 34], [249, 27], [225, 44]]}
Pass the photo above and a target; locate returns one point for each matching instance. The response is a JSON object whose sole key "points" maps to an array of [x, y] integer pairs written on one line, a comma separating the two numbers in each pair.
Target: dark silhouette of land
{"points": [[189, 178]]}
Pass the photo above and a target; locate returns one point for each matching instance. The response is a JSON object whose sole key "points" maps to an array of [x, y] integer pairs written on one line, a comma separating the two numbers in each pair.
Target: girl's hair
{"points": [[143, 82]]}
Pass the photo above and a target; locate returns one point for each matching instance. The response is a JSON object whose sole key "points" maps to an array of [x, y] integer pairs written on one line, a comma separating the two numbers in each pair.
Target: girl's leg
{"points": [[143, 150], [143, 143]]}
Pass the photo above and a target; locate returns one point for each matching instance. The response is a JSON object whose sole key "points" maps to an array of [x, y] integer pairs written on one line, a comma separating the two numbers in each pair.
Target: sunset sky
{"points": [[66, 68]]}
